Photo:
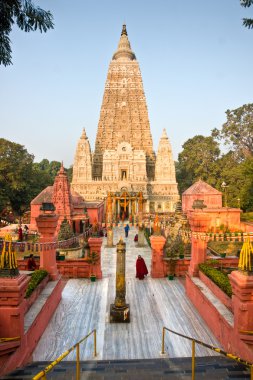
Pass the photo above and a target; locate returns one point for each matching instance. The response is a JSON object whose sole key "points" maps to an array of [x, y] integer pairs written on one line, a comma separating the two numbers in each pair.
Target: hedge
{"points": [[219, 278], [147, 235], [36, 278]]}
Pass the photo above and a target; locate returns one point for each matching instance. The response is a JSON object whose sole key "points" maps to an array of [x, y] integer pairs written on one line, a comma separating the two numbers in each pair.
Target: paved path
{"points": [[154, 303]]}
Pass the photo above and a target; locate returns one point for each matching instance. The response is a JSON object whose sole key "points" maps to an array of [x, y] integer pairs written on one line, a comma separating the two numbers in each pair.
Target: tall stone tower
{"points": [[124, 114], [123, 163]]}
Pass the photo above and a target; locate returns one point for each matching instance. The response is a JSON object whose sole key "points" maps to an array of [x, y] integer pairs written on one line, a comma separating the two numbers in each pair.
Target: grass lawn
{"points": [[229, 247], [247, 217]]}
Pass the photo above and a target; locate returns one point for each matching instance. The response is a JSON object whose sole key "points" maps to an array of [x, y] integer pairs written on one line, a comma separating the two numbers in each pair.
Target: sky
{"points": [[195, 58]]}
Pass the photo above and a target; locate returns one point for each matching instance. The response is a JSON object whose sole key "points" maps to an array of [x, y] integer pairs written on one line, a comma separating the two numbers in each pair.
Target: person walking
{"points": [[126, 228], [141, 268]]}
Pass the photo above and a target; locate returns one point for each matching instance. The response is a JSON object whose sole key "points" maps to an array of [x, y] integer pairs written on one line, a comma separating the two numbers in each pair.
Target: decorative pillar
{"points": [[95, 244], [141, 236], [199, 222], [157, 262], [242, 288], [12, 305], [109, 233], [119, 310], [47, 223]]}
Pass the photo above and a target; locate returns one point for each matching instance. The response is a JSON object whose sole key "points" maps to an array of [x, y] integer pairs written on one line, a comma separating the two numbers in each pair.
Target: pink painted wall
{"points": [[29, 341], [246, 227], [210, 200], [225, 333]]}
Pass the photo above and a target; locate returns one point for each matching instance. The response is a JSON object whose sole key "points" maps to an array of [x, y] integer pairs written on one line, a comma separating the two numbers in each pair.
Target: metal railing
{"points": [[219, 350], [42, 374], [4, 340], [246, 332]]}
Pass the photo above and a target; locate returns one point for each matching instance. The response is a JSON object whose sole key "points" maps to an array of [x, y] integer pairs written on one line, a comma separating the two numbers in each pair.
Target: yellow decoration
{"points": [[245, 261], [8, 258]]}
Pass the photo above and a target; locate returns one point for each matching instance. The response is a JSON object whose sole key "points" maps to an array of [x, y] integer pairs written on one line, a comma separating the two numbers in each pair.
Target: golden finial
{"points": [[124, 31]]}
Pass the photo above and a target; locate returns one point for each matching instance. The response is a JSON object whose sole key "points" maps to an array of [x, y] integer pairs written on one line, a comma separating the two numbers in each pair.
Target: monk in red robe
{"points": [[141, 268]]}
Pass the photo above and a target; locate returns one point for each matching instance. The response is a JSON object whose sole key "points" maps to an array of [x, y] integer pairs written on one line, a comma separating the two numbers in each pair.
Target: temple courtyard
{"points": [[154, 303]]}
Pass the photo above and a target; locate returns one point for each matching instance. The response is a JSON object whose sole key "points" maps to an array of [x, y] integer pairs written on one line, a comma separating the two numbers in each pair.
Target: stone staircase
{"points": [[209, 368]]}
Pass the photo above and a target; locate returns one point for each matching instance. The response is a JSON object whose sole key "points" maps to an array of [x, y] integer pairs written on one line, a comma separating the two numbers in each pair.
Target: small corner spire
{"points": [[62, 170], [124, 31]]}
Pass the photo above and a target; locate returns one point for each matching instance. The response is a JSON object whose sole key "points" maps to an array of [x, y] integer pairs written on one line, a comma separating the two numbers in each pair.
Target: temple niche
{"points": [[123, 163]]}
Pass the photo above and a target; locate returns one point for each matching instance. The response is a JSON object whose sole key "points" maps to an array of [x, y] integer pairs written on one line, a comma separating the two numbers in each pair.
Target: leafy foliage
{"points": [[147, 235], [197, 160], [238, 130], [21, 180], [248, 22], [26, 16], [36, 278], [219, 278], [16, 168], [201, 158]]}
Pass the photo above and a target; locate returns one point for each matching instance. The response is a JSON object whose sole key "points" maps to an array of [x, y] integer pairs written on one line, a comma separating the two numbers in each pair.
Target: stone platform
{"points": [[154, 303]]}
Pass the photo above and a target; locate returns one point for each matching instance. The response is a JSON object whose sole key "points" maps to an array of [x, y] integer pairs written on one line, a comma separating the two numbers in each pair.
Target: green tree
{"points": [[197, 160], [26, 16], [238, 131], [246, 191], [16, 166], [248, 22]]}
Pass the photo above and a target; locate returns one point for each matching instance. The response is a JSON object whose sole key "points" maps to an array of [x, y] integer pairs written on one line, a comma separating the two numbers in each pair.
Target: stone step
{"points": [[209, 368]]}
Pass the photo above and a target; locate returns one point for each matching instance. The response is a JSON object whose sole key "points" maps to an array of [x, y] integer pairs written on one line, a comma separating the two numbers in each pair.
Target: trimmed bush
{"points": [[36, 278], [147, 235], [219, 278]]}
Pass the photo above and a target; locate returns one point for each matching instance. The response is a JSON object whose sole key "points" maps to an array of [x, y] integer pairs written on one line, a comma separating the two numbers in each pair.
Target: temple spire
{"points": [[124, 51]]}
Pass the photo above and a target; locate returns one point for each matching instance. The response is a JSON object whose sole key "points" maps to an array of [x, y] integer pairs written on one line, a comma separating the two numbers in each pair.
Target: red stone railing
{"points": [[37, 247], [235, 236]]}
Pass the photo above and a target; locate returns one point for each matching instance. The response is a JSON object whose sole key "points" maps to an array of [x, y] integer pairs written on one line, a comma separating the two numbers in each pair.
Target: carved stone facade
{"points": [[82, 169], [124, 160]]}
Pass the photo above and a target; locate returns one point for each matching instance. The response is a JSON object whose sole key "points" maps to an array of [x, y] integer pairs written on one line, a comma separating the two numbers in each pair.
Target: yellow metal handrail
{"points": [[219, 350], [246, 332], [42, 374], [3, 340]]}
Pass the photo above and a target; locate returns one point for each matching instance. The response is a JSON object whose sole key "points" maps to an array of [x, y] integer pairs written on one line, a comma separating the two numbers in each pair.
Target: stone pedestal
{"points": [[95, 244], [12, 306], [120, 314], [242, 286], [141, 237], [157, 262], [47, 224], [119, 310], [199, 222]]}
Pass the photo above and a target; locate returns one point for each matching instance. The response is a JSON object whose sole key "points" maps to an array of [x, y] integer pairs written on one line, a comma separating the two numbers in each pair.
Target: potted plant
{"points": [[93, 257], [223, 255]]}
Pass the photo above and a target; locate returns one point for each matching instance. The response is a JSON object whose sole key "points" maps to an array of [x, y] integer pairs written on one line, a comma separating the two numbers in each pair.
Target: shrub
{"points": [[36, 278], [65, 232], [147, 235], [219, 278]]}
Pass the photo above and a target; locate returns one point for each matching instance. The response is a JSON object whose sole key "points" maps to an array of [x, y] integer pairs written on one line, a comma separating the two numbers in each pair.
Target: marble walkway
{"points": [[154, 303]]}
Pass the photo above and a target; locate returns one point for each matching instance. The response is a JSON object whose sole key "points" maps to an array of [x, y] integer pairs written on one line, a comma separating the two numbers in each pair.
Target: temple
{"points": [[124, 164], [67, 203]]}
